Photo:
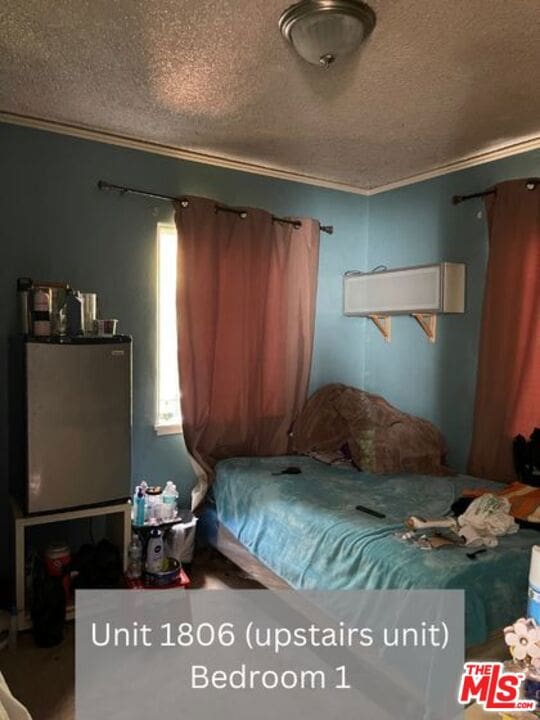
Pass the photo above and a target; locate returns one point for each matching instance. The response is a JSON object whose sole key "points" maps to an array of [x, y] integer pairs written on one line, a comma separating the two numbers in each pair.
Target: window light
{"points": [[169, 419]]}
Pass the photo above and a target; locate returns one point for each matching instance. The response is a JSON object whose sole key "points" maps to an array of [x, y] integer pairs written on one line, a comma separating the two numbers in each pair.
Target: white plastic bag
{"points": [[485, 519], [180, 538]]}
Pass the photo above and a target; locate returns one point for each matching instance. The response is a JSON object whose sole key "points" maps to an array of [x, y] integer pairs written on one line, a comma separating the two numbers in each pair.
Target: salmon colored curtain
{"points": [[246, 311], [508, 384]]}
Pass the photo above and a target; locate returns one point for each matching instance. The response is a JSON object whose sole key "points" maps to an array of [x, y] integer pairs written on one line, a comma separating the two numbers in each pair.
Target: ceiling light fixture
{"points": [[323, 31]]}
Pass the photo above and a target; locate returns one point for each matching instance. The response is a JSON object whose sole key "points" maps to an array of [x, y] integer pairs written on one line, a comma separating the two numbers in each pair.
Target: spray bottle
{"points": [[138, 507]]}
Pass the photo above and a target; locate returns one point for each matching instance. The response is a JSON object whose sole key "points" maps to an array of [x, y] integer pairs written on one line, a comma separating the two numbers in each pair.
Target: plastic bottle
{"points": [[144, 488], [533, 605], [170, 500], [138, 507], [135, 553], [154, 552]]}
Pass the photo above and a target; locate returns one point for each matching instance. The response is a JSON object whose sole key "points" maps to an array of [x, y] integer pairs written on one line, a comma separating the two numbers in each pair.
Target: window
{"points": [[168, 418]]}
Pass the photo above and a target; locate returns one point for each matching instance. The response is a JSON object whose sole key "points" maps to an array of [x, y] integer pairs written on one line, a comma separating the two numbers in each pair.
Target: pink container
{"points": [[57, 558]]}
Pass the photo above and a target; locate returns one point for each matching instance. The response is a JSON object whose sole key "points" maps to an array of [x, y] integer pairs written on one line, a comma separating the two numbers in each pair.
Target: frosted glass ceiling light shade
{"points": [[322, 31]]}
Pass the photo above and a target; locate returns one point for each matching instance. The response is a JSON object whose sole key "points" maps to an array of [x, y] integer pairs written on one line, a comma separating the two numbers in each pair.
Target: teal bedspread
{"points": [[306, 529]]}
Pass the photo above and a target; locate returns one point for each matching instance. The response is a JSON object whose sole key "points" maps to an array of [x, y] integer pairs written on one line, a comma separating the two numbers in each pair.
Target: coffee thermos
{"points": [[39, 305], [74, 313], [24, 287], [41, 312]]}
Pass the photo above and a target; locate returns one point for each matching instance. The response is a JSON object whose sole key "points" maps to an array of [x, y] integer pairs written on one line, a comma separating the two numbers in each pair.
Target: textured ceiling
{"points": [[436, 82]]}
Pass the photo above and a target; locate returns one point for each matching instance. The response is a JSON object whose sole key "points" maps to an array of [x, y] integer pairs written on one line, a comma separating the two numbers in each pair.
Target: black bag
{"points": [[97, 567], [527, 458]]}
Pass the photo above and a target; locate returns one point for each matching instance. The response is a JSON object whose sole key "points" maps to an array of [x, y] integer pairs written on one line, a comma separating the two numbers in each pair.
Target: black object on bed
{"points": [[291, 470], [527, 458], [369, 511]]}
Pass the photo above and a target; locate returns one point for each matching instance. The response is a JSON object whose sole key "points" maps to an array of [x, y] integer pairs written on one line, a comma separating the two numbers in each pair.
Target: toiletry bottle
{"points": [[138, 507], [154, 551], [170, 500], [533, 605], [144, 488], [154, 496]]}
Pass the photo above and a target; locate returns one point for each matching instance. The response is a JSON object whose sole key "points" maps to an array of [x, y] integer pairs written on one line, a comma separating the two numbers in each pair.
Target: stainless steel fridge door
{"points": [[79, 424]]}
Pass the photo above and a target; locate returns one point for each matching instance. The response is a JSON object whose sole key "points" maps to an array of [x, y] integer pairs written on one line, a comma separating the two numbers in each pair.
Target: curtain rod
{"points": [[530, 184], [457, 199], [104, 185]]}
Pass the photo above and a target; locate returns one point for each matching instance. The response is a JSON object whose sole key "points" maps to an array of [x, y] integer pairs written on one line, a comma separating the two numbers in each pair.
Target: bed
{"points": [[305, 530]]}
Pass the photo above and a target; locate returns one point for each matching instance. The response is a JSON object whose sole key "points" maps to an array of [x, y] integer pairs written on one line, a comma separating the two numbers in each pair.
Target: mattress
{"points": [[306, 529]]}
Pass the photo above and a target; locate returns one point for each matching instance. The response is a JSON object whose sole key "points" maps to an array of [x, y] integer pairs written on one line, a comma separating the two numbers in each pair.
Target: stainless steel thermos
{"points": [[41, 312], [24, 287]]}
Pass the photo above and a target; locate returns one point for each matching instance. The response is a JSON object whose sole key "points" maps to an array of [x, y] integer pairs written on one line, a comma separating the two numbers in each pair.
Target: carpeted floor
{"points": [[43, 679]]}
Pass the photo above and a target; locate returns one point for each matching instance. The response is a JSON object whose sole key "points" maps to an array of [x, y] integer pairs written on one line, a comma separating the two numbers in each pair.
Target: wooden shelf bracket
{"points": [[428, 323], [383, 323]]}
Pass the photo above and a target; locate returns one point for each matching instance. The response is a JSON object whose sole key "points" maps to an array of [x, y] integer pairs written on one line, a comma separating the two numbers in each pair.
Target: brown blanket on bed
{"points": [[343, 424]]}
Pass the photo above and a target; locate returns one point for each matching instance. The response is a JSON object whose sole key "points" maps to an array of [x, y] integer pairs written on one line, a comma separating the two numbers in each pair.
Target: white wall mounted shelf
{"points": [[421, 291]]}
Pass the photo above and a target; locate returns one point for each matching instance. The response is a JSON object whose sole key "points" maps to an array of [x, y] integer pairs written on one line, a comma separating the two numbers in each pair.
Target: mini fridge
{"points": [[70, 422]]}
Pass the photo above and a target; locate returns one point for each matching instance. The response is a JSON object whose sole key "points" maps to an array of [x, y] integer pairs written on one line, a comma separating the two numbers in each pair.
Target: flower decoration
{"points": [[523, 639]]}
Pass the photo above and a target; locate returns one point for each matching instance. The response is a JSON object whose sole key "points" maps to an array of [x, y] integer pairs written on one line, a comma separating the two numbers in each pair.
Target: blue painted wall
{"points": [[55, 224], [417, 225]]}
